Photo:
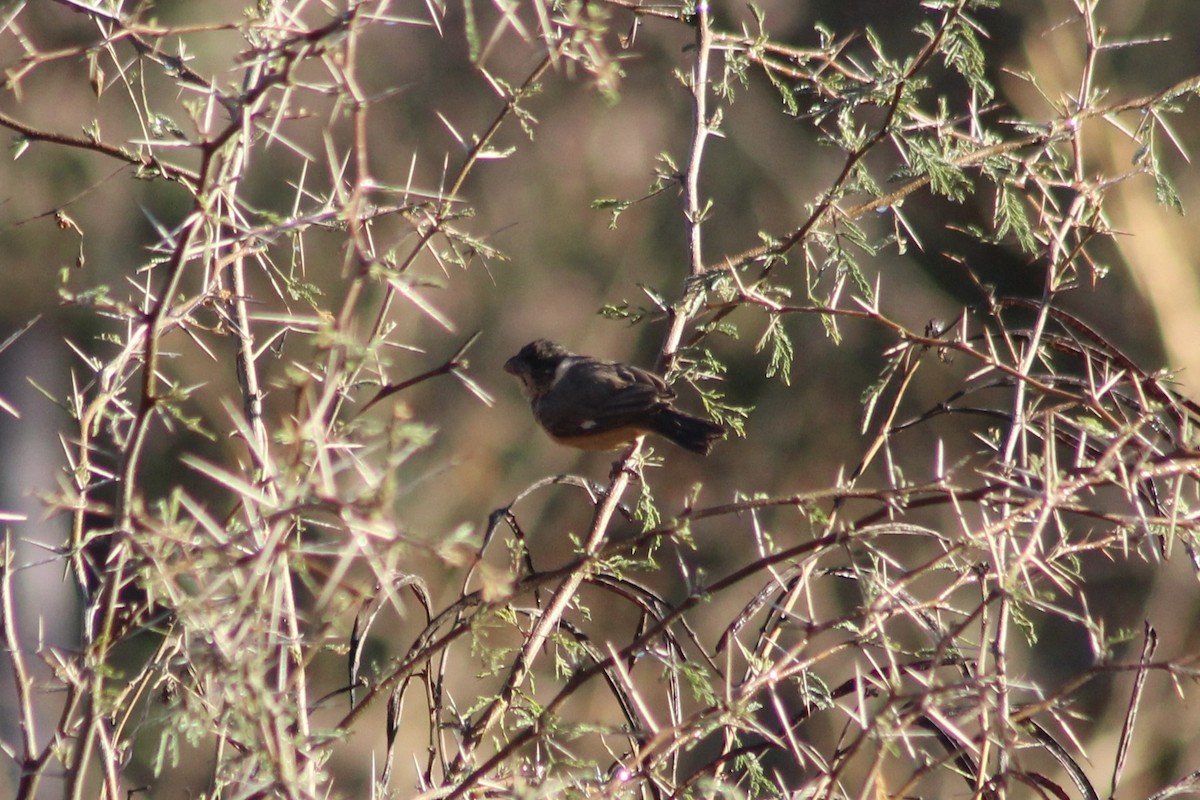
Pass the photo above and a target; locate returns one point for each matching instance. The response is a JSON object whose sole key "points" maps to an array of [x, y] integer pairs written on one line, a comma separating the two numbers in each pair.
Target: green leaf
{"points": [[782, 351], [1010, 218], [1164, 191], [646, 511]]}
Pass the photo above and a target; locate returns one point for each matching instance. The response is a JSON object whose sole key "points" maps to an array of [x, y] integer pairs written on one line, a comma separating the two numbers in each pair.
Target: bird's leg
{"points": [[624, 464]]}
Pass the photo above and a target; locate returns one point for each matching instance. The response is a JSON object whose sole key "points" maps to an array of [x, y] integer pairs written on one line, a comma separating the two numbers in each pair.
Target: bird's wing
{"points": [[595, 396]]}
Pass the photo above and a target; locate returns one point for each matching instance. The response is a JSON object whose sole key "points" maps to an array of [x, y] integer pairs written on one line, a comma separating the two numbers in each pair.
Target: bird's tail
{"points": [[691, 433]]}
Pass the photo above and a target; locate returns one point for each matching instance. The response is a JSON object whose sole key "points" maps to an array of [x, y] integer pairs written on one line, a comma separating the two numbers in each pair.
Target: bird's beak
{"points": [[510, 366]]}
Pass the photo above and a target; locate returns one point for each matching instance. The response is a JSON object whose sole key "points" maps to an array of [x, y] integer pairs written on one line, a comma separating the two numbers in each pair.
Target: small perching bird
{"points": [[600, 405]]}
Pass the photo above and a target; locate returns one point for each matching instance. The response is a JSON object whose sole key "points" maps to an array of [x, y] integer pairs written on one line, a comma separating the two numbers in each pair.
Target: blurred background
{"points": [[595, 136]]}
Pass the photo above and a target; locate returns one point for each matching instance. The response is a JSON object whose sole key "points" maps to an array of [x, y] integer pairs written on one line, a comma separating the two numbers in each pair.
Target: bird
{"points": [[591, 404]]}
